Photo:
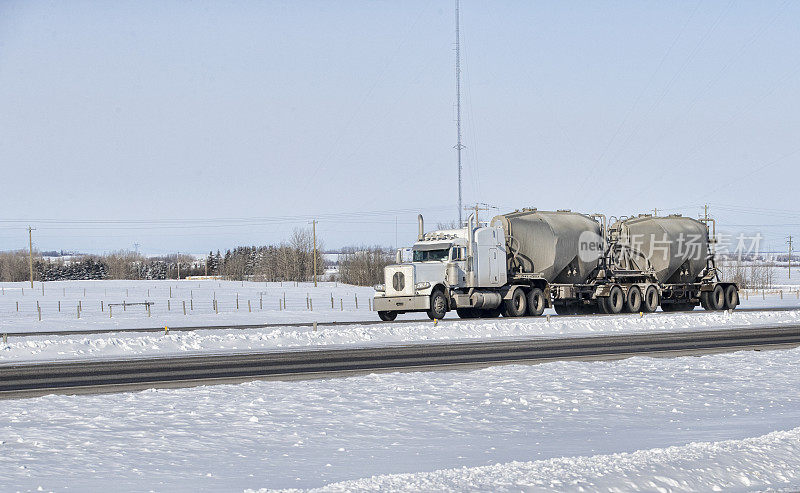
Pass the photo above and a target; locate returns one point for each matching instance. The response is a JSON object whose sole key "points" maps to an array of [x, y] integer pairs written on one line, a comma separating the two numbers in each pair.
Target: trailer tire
{"points": [[650, 300], [731, 297], [387, 316], [536, 302], [716, 299], [633, 302], [438, 307], [517, 305], [615, 300]]}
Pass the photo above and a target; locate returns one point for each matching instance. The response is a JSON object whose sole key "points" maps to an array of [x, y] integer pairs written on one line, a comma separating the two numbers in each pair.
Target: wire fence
{"points": [[91, 299]]}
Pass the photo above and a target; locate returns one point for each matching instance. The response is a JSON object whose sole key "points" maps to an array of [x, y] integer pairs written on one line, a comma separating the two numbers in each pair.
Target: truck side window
{"points": [[459, 253]]}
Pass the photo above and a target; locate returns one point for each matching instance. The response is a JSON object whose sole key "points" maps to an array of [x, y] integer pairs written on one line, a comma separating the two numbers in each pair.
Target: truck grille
{"points": [[398, 281]]}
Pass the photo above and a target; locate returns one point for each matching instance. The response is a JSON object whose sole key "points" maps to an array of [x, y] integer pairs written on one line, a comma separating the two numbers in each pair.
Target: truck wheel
{"points": [[387, 316], [467, 313], [491, 313], [731, 297], [535, 302], [615, 300], [716, 299], [650, 300], [517, 305], [633, 302], [438, 307]]}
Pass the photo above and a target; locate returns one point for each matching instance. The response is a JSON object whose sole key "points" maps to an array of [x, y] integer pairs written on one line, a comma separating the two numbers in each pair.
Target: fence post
{"points": [[341, 304], [261, 302], [248, 307], [59, 306], [79, 309], [184, 307], [148, 309], [169, 308], [311, 305], [39, 309], [42, 289], [102, 308], [237, 301], [124, 305], [17, 305], [370, 303], [356, 296], [191, 304], [331, 301], [110, 314]]}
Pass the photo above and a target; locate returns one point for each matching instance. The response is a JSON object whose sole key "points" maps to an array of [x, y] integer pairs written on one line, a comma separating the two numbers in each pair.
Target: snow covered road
{"points": [[562, 421]]}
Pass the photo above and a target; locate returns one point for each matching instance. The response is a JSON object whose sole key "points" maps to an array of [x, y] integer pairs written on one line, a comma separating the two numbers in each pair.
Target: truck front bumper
{"points": [[402, 303]]}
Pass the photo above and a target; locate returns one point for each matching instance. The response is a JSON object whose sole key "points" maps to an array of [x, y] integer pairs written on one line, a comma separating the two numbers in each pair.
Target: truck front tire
{"points": [[387, 316], [438, 307]]}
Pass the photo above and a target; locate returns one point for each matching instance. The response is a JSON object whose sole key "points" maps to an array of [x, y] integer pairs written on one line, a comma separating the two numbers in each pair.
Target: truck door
{"points": [[494, 266]]}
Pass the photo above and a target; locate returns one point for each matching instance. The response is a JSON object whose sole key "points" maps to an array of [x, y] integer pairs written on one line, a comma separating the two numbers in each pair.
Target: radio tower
{"points": [[458, 145]]}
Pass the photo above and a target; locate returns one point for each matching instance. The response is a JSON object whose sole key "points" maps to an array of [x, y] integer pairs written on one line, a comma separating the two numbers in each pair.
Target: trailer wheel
{"points": [[438, 307], [633, 302], [535, 302], [517, 305], [731, 297], [615, 300], [650, 301], [387, 316], [716, 299]]}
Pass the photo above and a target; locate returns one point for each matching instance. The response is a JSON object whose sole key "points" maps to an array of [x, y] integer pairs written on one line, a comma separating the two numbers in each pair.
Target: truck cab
{"points": [[445, 264]]}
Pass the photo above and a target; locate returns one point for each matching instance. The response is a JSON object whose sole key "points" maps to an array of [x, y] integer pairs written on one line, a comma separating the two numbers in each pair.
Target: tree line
{"points": [[292, 260]]}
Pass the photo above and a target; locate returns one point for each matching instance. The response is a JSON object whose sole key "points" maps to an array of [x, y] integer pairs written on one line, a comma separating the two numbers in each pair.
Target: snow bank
{"points": [[766, 462], [127, 345]]}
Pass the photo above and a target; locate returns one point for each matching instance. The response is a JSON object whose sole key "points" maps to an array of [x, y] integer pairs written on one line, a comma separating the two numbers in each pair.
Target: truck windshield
{"points": [[431, 255]]}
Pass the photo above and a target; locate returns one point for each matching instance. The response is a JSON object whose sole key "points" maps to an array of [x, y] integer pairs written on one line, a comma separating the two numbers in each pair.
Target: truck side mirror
{"points": [[399, 256]]}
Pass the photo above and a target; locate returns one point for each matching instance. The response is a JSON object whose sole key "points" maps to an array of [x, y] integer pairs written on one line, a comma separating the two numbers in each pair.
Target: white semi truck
{"points": [[523, 262]]}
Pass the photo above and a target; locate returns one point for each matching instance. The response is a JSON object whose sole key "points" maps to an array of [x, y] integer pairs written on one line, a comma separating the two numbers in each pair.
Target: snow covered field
{"points": [[720, 422]]}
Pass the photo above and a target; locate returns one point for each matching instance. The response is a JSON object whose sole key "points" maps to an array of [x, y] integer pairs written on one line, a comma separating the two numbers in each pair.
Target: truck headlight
{"points": [[422, 285], [379, 287]]}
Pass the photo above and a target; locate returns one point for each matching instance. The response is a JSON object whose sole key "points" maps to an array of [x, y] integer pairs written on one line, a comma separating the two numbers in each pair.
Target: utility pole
{"points": [[479, 206], [314, 234], [655, 212], [30, 252], [179, 265], [459, 146], [790, 256]]}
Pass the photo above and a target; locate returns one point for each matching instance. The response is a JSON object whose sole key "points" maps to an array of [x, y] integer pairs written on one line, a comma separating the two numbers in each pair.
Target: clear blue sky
{"points": [[194, 126]]}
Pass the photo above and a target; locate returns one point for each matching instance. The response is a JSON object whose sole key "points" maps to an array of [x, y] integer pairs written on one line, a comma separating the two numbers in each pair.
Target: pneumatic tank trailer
{"points": [[525, 261]]}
